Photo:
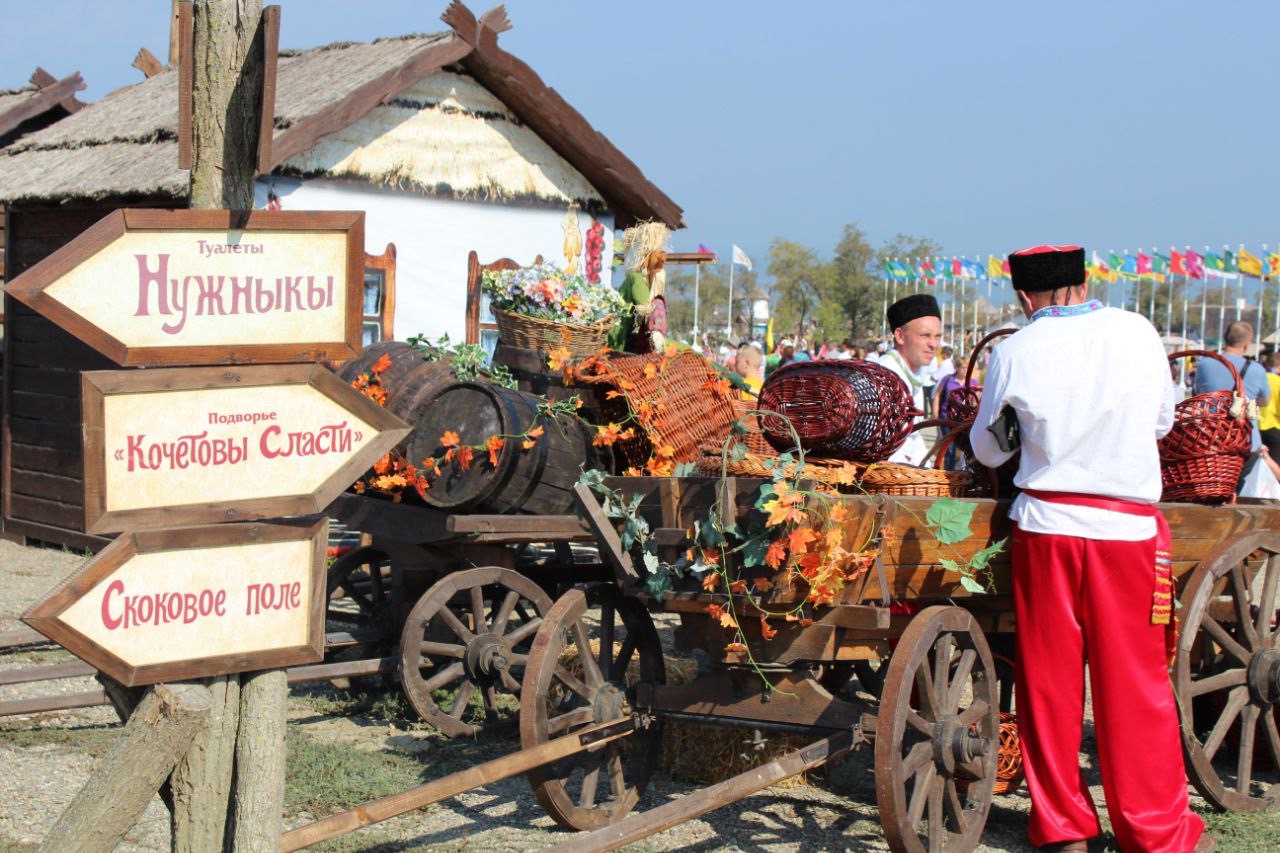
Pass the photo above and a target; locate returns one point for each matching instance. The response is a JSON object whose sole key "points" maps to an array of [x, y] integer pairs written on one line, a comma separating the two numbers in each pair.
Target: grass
{"points": [[1245, 833], [322, 778], [92, 741], [391, 706], [7, 846]]}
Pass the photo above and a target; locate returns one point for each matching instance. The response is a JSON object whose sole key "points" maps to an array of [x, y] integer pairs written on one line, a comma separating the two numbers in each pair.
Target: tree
{"points": [[800, 281], [855, 292]]}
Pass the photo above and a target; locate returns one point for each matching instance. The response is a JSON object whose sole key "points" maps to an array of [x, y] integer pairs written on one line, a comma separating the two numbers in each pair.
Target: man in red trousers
{"points": [[1084, 391]]}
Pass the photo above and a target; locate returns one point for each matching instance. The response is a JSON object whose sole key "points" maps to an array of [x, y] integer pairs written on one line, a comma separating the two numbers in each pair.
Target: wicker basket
{"points": [[686, 410], [520, 330], [1202, 456], [964, 400], [835, 474], [890, 478], [853, 410]]}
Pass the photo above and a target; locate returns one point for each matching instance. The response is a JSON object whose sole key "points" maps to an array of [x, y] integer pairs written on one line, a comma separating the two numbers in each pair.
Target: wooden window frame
{"points": [[386, 262], [475, 294]]}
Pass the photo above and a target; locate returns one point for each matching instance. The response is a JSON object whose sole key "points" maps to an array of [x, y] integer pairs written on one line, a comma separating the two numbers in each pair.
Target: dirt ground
{"points": [[346, 749]]}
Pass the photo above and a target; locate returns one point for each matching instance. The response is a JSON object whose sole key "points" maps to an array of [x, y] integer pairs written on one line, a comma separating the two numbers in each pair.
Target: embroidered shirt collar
{"points": [[1067, 310], [906, 369]]}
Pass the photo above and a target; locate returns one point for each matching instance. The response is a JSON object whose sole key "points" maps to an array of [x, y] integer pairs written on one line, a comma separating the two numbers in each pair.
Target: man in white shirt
{"points": [[917, 330], [1088, 388]]}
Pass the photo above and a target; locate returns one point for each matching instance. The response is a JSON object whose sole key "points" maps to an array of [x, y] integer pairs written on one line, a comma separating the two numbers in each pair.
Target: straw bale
{"points": [[448, 136], [698, 753]]}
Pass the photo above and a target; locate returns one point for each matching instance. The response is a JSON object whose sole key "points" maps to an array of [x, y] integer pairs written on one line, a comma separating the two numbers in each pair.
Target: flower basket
{"points": [[1202, 456], [525, 332]]}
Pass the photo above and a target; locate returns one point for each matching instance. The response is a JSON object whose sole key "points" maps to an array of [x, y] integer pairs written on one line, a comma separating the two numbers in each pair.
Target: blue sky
{"points": [[985, 125]]}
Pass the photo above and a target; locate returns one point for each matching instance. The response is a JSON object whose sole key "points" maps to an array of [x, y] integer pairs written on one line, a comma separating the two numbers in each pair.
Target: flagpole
{"points": [[884, 313], [728, 326], [1168, 309], [1222, 303], [1111, 275], [1185, 284], [697, 282], [1239, 272], [1152, 303], [1276, 346]]}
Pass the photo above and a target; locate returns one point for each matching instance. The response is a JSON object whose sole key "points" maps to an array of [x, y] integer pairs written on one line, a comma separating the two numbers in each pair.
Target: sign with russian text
{"points": [[167, 287], [195, 445], [194, 602]]}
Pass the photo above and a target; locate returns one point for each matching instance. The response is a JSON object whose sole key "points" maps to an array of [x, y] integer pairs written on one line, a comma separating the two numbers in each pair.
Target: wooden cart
{"points": [[928, 654]]}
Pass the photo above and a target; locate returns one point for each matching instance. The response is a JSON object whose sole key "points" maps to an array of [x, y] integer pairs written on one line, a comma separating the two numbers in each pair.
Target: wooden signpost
{"points": [[168, 287], [197, 445], [248, 596]]}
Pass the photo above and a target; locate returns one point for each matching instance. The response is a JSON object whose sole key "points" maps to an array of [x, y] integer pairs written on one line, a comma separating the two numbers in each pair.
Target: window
{"points": [[379, 300]]}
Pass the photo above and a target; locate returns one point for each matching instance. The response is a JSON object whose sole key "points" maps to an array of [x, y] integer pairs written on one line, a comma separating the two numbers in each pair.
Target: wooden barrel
{"points": [[538, 480], [529, 368], [410, 382]]}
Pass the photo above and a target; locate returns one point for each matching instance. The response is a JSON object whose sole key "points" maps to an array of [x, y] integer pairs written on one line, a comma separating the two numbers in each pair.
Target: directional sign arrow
{"points": [[156, 287], [168, 605], [194, 445]]}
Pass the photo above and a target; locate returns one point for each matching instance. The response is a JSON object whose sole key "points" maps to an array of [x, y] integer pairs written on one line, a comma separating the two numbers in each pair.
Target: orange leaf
{"points": [[650, 370], [382, 365], [736, 649], [464, 458], [528, 444], [765, 631], [537, 432], [450, 439], [611, 394], [494, 444], [715, 611], [710, 581], [800, 539], [777, 554], [805, 623], [383, 465], [727, 620], [557, 358], [762, 584], [739, 586]]}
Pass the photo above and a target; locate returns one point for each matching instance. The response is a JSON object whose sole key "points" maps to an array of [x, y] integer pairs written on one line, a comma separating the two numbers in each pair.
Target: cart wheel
{"points": [[1227, 675], [936, 734], [579, 675], [359, 599], [471, 633]]}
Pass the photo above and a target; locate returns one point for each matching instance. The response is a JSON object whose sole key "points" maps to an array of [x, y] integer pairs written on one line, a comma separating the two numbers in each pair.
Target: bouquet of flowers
{"points": [[543, 291]]}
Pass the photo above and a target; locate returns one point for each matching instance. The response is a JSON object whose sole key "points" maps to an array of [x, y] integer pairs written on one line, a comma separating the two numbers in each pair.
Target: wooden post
{"points": [[227, 53], [159, 731]]}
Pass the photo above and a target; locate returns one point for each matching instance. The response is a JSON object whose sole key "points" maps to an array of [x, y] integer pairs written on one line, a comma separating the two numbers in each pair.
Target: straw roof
{"points": [[397, 111], [448, 135]]}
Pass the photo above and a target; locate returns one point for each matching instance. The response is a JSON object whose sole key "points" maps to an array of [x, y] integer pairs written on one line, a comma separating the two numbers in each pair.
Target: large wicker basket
{"points": [[833, 475], [890, 478], [520, 330], [680, 393], [1202, 456], [964, 400], [853, 410]]}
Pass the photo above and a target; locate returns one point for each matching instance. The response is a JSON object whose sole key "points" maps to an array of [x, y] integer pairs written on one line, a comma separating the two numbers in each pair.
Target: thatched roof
{"points": [[398, 111], [42, 102]]}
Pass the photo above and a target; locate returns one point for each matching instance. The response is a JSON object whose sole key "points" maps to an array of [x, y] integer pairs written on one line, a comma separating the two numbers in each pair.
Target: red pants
{"points": [[1078, 599]]}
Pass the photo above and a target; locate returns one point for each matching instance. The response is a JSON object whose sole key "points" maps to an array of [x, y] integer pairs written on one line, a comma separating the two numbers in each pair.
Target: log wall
{"points": [[41, 464]]}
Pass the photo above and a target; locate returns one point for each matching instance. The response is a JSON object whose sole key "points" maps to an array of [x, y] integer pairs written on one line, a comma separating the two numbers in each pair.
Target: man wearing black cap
{"points": [[917, 330], [1088, 390]]}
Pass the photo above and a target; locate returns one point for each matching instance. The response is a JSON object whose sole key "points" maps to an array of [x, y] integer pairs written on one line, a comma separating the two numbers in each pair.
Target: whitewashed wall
{"points": [[433, 237]]}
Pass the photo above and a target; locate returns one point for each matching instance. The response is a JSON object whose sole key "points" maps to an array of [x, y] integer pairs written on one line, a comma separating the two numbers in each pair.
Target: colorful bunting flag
{"points": [[1176, 263], [1129, 265], [1249, 263], [1195, 264], [1143, 264], [1273, 265], [995, 268], [957, 268], [973, 269]]}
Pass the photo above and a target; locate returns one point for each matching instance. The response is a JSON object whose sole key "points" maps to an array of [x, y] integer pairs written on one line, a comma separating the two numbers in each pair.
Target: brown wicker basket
{"points": [[1202, 456], [890, 478], [520, 330], [686, 410], [853, 409], [964, 400], [836, 474]]}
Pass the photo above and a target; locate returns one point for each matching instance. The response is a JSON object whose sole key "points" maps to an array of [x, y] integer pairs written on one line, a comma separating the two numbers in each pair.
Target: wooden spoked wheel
{"points": [[583, 672], [359, 599], [936, 734], [465, 645], [1227, 675]]}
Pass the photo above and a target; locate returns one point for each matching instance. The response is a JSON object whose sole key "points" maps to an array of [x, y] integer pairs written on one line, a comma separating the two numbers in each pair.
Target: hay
{"points": [[696, 753]]}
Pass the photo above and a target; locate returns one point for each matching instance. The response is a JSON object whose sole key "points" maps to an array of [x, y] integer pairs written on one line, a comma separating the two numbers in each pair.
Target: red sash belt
{"points": [[1162, 600]]}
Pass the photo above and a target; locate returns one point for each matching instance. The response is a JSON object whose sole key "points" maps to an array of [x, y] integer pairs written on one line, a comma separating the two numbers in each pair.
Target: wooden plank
{"points": [[20, 637], [44, 80], [52, 672], [267, 109], [53, 513], [49, 460], [44, 407], [40, 102], [146, 62], [700, 802], [50, 487], [457, 783], [54, 535], [63, 437], [610, 545], [553, 526], [65, 702], [53, 382], [186, 81]]}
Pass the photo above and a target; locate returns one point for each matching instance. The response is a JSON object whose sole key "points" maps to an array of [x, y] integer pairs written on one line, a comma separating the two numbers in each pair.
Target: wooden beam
{"points": [[185, 59], [41, 102], [556, 122], [304, 134], [270, 59], [147, 63], [42, 79]]}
